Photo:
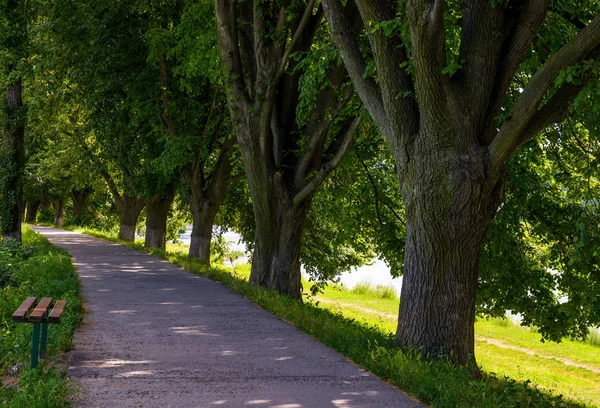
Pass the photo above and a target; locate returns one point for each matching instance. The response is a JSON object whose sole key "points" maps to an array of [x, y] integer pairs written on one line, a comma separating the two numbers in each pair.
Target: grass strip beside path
{"points": [[37, 269], [436, 383]]}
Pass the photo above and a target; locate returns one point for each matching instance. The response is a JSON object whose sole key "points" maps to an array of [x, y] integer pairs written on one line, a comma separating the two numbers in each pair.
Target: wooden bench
{"points": [[39, 315]]}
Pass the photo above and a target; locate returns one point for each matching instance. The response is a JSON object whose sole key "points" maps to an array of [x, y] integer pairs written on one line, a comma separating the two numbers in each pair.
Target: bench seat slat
{"points": [[20, 315], [56, 314], [37, 316]]}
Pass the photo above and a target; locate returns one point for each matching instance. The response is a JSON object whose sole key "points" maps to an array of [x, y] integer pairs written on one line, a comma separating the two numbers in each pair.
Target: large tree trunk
{"points": [[80, 199], [15, 156], [450, 202], [279, 225], [59, 210], [157, 212], [32, 209], [203, 213], [129, 211]]}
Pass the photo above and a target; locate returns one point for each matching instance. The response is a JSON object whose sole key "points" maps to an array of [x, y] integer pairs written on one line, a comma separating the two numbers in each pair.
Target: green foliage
{"points": [[39, 269]]}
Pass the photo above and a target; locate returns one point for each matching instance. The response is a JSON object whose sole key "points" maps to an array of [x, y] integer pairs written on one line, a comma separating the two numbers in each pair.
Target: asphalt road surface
{"points": [[156, 335]]}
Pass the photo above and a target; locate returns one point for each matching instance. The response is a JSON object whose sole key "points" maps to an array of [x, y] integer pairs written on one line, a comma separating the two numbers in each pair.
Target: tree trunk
{"points": [[129, 212], [450, 202], [45, 203], [276, 257], [59, 210], [32, 209], [203, 213], [12, 208], [157, 212], [80, 199]]}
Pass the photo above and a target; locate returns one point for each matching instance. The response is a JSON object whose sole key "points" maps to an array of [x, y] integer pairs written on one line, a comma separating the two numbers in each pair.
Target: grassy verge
{"points": [[570, 368], [36, 269], [346, 321]]}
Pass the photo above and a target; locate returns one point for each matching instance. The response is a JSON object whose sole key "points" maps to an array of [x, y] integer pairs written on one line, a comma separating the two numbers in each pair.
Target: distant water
{"points": [[378, 273]]}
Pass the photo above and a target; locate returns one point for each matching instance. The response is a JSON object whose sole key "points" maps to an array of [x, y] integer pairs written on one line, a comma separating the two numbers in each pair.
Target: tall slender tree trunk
{"points": [[14, 151], [80, 199], [32, 209], [203, 213], [450, 201], [59, 211], [129, 211], [157, 212]]}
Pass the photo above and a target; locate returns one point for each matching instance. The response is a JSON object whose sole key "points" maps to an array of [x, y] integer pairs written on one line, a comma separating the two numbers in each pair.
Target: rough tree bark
{"points": [[449, 148], [157, 212], [285, 162], [32, 209], [59, 211], [14, 152]]}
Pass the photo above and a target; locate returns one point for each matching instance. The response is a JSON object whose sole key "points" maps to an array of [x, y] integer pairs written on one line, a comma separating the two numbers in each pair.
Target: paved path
{"points": [[158, 336]]}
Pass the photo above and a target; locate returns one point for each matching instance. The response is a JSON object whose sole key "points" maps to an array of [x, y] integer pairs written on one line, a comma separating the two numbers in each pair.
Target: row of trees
{"points": [[328, 133]]}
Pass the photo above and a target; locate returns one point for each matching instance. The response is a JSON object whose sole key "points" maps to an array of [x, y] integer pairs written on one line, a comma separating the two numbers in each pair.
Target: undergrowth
{"points": [[36, 268]]}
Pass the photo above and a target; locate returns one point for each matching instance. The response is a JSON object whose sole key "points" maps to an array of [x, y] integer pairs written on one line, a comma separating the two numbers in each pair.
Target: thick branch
{"points": [[318, 130], [516, 45], [553, 111], [428, 39], [331, 165], [303, 22], [396, 84], [345, 40], [511, 132], [227, 33]]}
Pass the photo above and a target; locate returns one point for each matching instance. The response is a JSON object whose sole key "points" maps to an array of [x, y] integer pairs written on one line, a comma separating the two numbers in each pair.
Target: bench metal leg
{"points": [[35, 345], [43, 340]]}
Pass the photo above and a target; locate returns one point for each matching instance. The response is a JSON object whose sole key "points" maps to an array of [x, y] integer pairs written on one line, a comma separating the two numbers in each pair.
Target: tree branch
{"points": [[318, 134], [517, 43], [510, 134], [331, 165], [345, 40], [396, 84], [553, 111], [303, 22], [428, 39], [227, 33]]}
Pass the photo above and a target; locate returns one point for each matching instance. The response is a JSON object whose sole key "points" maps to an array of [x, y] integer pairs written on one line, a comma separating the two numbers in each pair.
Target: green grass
{"points": [[44, 271], [593, 338], [359, 326], [377, 291]]}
